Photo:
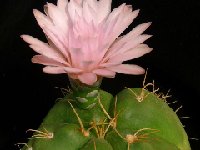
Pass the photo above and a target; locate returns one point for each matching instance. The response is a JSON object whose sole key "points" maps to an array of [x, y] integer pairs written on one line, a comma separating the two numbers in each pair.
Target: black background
{"points": [[26, 94]]}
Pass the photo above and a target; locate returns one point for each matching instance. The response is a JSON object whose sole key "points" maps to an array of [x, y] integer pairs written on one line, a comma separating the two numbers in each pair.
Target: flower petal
{"points": [[41, 18], [136, 32], [41, 59], [79, 1], [104, 8], [124, 20], [58, 70], [53, 70], [105, 73], [72, 70], [130, 54], [108, 64], [51, 31], [88, 78], [127, 69], [58, 40], [62, 4], [59, 18], [127, 46], [76, 57], [92, 4], [74, 6], [111, 21], [130, 36], [43, 48], [88, 10]]}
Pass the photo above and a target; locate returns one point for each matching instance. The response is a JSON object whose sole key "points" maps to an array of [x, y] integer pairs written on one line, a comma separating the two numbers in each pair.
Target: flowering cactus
{"points": [[84, 42]]}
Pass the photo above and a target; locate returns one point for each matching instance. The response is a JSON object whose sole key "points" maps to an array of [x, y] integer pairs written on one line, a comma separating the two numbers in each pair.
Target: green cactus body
{"points": [[135, 119]]}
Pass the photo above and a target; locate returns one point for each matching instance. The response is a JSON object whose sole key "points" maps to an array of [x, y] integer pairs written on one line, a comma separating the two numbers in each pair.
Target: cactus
{"points": [[134, 119], [83, 44]]}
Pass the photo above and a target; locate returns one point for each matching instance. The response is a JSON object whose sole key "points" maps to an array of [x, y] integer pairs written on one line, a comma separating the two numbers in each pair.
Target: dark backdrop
{"points": [[27, 94]]}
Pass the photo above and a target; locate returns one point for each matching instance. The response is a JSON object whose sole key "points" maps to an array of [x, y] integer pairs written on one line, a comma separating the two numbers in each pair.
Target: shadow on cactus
{"points": [[84, 42]]}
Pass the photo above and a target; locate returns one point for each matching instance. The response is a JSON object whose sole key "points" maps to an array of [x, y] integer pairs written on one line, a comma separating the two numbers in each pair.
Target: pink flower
{"points": [[83, 39]]}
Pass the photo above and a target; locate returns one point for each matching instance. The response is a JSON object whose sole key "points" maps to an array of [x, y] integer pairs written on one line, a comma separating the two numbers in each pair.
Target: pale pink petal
{"points": [[74, 7], [106, 36], [79, 2], [130, 36], [88, 78], [90, 50], [88, 12], [134, 43], [108, 64], [58, 40], [59, 18], [115, 13], [104, 8], [76, 57], [136, 32], [43, 48], [40, 59], [58, 69], [62, 4], [42, 19], [51, 31], [104, 73], [80, 27], [72, 70], [127, 69], [111, 21], [130, 54], [93, 46], [127, 46], [92, 4], [124, 20], [53, 70]]}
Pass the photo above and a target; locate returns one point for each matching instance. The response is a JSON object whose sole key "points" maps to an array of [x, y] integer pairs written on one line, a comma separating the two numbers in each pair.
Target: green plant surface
{"points": [[135, 119]]}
